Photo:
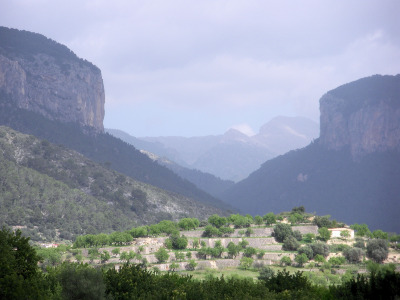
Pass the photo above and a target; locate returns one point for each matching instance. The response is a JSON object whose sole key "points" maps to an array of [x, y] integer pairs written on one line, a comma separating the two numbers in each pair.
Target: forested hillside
{"points": [[102, 148], [52, 190]]}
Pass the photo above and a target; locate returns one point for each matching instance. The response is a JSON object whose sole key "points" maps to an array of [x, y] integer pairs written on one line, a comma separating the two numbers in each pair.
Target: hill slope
{"points": [[329, 179], [52, 187]]}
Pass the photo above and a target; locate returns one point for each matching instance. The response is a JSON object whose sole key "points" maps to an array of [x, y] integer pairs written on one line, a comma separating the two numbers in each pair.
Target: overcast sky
{"points": [[192, 68]]}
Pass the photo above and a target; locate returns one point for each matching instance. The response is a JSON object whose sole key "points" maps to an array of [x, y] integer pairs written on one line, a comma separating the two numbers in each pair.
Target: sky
{"points": [[195, 68]]}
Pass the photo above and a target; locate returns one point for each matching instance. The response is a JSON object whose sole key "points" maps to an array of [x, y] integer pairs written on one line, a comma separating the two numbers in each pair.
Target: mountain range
{"points": [[232, 155], [59, 164], [352, 171]]}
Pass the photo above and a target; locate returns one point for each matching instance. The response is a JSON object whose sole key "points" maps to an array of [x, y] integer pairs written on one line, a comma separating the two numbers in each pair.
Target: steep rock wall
{"points": [[364, 122], [55, 83]]}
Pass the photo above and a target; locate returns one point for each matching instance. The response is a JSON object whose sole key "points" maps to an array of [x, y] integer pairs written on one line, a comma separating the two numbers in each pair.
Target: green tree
{"points": [[320, 248], [217, 221], [290, 244], [161, 255], [307, 250], [246, 263], [178, 242], [301, 259], [379, 234], [319, 259], [377, 250], [173, 266], [345, 234], [249, 251], [309, 237], [361, 230], [116, 251], [285, 261], [191, 265], [105, 256], [179, 255], [353, 255], [80, 281], [258, 220], [233, 250], [19, 276], [266, 273], [337, 261], [324, 233], [282, 231], [269, 218]]}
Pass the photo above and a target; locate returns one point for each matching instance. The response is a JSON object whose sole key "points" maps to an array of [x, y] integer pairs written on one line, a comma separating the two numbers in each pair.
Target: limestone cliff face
{"points": [[43, 76], [363, 116]]}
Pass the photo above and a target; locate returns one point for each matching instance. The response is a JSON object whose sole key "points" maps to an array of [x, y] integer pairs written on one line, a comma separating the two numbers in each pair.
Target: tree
{"points": [[377, 250], [301, 259], [173, 266], [249, 231], [217, 221], [324, 233], [80, 281], [379, 234], [337, 261], [258, 220], [297, 234], [191, 265], [249, 251], [285, 261], [261, 253], [161, 255], [319, 259], [246, 262], [19, 276], [116, 251], [105, 256], [320, 248], [195, 243], [266, 273], [290, 244], [282, 231], [307, 250], [361, 230], [180, 255], [178, 242], [270, 218], [233, 250], [353, 255], [309, 237]]}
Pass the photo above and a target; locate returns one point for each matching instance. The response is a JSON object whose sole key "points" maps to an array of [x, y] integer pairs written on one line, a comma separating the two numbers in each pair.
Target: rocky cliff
{"points": [[363, 116], [43, 76]]}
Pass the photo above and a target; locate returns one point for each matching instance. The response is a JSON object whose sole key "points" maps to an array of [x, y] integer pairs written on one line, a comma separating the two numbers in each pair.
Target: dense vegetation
{"points": [[52, 190], [101, 148], [312, 176], [20, 277], [25, 44]]}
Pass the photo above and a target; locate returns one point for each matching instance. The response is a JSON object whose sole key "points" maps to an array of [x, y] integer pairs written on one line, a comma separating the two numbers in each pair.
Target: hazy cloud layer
{"points": [[200, 67]]}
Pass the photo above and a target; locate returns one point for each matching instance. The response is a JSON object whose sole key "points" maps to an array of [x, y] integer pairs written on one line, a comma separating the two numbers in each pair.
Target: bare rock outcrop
{"points": [[43, 76], [363, 116]]}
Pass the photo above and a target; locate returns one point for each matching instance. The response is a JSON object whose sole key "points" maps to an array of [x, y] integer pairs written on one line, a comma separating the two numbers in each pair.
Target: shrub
{"points": [[161, 255], [307, 250], [353, 255], [324, 233], [282, 231], [285, 261], [290, 244], [320, 248], [297, 234], [266, 273], [246, 262], [301, 259], [377, 250]]}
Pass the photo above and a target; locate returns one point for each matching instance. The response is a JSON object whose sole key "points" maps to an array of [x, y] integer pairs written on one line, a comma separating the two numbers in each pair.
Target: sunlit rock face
{"points": [[363, 116], [43, 76]]}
